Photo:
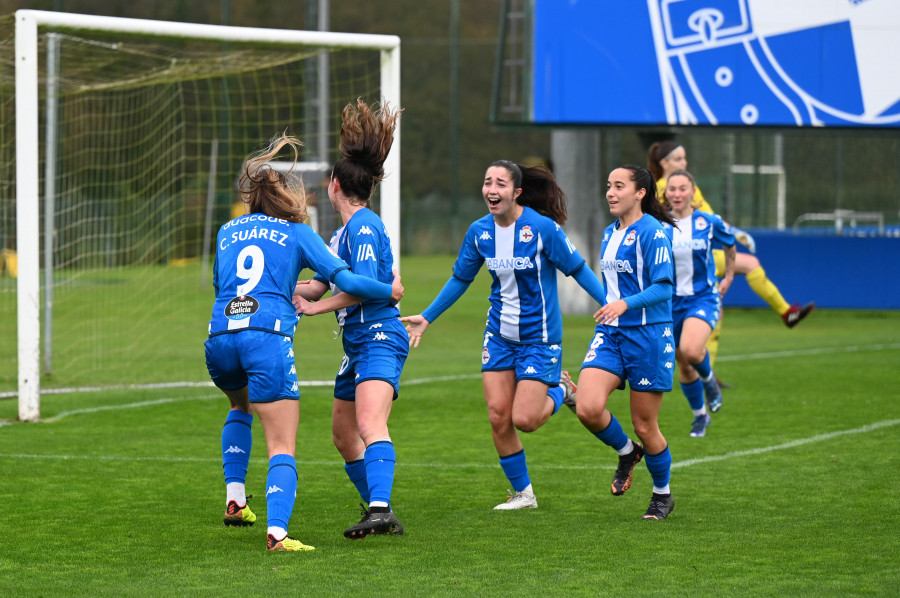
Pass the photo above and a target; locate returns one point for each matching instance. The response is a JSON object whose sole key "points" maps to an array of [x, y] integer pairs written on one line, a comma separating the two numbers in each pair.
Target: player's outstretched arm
{"points": [[416, 326], [329, 304]]}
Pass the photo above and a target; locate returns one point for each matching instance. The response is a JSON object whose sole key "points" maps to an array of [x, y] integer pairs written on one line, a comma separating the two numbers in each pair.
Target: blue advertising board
{"points": [[834, 271], [780, 63]]}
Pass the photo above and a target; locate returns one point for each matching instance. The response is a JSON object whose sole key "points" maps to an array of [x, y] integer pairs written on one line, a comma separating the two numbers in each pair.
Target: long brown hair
{"points": [[644, 179], [366, 139], [540, 191], [267, 191]]}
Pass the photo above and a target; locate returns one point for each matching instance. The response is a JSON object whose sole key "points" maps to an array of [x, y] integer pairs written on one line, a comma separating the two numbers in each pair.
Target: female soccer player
{"points": [[695, 304], [664, 158], [249, 352], [633, 337], [521, 243], [375, 342]]}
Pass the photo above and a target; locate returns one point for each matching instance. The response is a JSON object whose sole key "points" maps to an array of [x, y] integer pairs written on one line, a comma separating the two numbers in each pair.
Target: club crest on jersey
{"points": [[525, 234], [241, 307], [485, 356], [701, 223], [630, 237]]}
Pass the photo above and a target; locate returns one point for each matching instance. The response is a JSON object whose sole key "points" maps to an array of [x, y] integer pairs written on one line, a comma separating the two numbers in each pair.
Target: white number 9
{"points": [[254, 272]]}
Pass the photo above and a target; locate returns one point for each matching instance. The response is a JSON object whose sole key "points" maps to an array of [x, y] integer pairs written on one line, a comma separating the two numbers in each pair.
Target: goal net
{"points": [[120, 144]]}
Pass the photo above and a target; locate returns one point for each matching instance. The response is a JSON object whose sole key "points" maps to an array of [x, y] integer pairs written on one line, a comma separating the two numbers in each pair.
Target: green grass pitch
{"points": [[793, 491]]}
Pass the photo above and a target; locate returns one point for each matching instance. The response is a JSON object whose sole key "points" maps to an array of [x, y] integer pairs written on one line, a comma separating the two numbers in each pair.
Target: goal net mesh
{"points": [[147, 144]]}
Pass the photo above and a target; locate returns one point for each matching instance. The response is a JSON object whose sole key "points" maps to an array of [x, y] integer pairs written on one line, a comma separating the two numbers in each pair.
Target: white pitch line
{"points": [[451, 378], [678, 464], [801, 352], [778, 447], [412, 382]]}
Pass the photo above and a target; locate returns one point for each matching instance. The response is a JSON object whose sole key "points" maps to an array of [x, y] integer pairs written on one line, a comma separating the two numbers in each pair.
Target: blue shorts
{"points": [[643, 355], [374, 351], [261, 361], [530, 361], [704, 307]]}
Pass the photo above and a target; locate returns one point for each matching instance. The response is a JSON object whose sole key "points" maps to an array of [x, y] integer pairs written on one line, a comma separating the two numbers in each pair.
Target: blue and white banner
{"points": [[831, 63]]}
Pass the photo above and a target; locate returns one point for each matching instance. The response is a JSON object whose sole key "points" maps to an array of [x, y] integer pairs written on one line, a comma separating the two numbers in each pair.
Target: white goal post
{"points": [[28, 139]]}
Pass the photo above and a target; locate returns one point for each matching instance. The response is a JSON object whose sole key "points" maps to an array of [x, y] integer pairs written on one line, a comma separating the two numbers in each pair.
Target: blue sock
{"points": [[380, 460], [613, 435], [237, 440], [693, 391], [516, 470], [356, 471], [281, 490], [557, 394], [703, 368], [659, 466]]}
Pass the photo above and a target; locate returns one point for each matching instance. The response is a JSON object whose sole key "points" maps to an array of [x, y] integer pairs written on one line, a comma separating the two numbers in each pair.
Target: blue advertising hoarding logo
{"points": [[718, 62]]}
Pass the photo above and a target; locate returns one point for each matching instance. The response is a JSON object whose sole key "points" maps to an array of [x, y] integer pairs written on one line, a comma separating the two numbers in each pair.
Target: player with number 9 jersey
{"points": [[249, 352]]}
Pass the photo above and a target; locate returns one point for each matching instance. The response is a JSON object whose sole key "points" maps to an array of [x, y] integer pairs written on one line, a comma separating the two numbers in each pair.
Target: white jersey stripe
{"points": [[505, 242], [539, 265], [683, 254], [611, 277], [639, 272]]}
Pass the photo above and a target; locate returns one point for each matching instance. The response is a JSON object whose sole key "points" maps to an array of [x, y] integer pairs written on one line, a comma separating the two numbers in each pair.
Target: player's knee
{"points": [[589, 413], [644, 429], [526, 422], [694, 354]]}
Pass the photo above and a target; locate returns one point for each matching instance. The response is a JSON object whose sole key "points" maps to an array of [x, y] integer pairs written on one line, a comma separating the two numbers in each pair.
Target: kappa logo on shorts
{"points": [[554, 360], [530, 370], [667, 332], [380, 336], [701, 312], [373, 326], [644, 382], [668, 365], [668, 348]]}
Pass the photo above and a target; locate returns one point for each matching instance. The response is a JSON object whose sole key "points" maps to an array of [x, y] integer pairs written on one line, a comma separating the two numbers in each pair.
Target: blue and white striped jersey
{"points": [[522, 260], [364, 244], [258, 260], [632, 258], [695, 267]]}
